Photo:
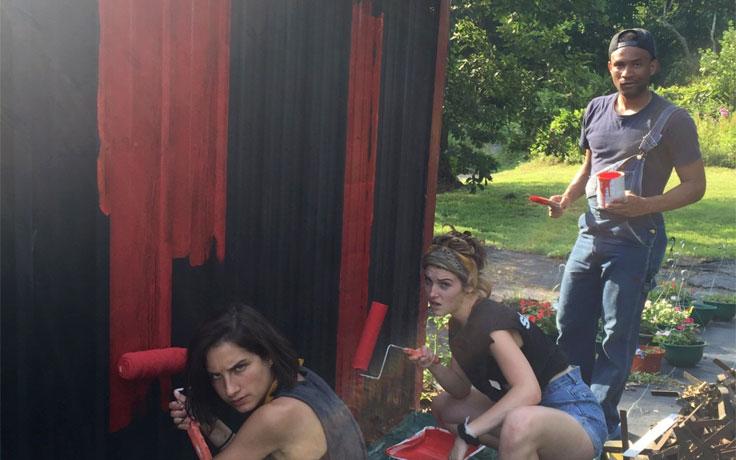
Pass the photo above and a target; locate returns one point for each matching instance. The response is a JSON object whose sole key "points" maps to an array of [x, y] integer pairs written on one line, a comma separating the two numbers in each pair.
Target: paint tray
{"points": [[431, 443]]}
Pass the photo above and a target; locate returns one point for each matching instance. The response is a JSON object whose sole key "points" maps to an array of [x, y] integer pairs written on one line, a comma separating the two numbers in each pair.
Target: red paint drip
{"points": [[162, 120], [364, 86], [604, 185]]}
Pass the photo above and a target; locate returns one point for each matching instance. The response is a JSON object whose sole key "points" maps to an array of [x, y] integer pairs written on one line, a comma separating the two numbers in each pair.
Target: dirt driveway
{"points": [[517, 274]]}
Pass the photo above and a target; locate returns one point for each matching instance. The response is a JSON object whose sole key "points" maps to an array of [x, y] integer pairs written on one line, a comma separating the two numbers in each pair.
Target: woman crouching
{"points": [[508, 386], [238, 358]]}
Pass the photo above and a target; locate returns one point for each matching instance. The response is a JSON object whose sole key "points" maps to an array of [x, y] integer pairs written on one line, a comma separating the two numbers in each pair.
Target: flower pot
{"points": [[683, 355], [725, 311], [647, 359], [703, 313]]}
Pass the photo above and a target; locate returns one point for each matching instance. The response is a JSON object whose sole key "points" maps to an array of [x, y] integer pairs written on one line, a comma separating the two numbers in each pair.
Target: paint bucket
{"points": [[611, 186]]}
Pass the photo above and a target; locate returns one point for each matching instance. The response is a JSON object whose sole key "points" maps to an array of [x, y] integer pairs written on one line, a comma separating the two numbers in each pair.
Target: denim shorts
{"points": [[572, 396]]}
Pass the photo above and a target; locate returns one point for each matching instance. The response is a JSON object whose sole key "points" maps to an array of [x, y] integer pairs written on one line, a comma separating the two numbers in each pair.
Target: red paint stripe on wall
{"points": [[162, 120], [364, 87]]}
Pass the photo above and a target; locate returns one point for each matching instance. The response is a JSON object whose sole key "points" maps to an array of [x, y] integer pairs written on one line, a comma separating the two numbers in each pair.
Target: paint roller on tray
{"points": [[368, 338], [162, 362]]}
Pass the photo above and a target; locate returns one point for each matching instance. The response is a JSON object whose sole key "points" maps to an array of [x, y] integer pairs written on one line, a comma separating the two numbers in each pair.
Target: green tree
{"points": [[518, 70]]}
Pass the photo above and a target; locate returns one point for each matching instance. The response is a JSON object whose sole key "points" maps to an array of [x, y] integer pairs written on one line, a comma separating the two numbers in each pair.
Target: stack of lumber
{"points": [[704, 429]]}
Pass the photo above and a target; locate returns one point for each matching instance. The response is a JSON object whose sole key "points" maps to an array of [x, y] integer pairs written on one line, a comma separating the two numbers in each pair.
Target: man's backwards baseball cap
{"points": [[639, 38]]}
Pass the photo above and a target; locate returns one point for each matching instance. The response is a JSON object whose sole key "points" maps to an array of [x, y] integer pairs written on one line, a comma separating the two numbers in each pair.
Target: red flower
{"points": [[533, 319], [689, 320], [680, 327]]}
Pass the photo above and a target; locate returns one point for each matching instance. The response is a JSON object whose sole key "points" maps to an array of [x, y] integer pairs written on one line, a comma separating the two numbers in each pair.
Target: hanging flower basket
{"points": [[702, 313], [683, 355], [724, 310], [647, 359]]}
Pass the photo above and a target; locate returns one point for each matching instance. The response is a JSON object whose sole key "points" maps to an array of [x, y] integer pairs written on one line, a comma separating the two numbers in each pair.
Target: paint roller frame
{"points": [[368, 339], [385, 356]]}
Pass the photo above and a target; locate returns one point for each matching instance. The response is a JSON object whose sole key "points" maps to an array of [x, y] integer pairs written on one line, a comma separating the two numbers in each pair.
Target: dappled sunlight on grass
{"points": [[503, 216]]}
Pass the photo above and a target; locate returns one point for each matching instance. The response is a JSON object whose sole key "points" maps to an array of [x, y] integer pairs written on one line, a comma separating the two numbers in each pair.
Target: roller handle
{"points": [[195, 434], [543, 201], [198, 442]]}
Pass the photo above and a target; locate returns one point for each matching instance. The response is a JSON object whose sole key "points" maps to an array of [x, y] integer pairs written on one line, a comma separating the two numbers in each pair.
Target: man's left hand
{"points": [[631, 205], [458, 449]]}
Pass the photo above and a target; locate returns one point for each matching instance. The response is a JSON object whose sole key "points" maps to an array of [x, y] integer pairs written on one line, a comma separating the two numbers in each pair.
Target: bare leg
{"points": [[537, 432], [450, 411]]}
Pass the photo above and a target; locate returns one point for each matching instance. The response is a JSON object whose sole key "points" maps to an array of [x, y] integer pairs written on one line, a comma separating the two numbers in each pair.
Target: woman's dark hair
{"points": [[243, 326]]}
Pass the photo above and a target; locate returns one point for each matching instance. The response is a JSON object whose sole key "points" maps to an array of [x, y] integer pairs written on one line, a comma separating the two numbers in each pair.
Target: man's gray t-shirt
{"points": [[612, 137]]}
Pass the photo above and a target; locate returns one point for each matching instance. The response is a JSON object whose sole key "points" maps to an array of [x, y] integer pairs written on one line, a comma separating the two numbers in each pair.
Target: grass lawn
{"points": [[502, 215]]}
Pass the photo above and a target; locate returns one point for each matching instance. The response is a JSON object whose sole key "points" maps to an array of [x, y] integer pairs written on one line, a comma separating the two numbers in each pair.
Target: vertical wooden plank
{"points": [[433, 160], [360, 170]]}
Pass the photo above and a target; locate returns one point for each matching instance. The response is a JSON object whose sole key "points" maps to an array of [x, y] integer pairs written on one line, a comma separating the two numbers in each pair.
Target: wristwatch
{"points": [[463, 434]]}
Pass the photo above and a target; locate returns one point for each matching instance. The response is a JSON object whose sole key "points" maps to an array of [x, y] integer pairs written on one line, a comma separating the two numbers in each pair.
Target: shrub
{"points": [[717, 140], [560, 139], [471, 161], [722, 298]]}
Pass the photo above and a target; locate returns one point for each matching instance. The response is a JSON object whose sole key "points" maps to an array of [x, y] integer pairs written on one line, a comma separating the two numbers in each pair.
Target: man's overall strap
{"points": [[654, 136]]}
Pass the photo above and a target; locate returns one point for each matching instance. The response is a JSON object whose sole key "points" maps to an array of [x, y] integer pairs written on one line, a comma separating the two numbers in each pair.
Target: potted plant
{"points": [[647, 326], [725, 304], [542, 314], [702, 313], [647, 359], [660, 315], [682, 344], [673, 291]]}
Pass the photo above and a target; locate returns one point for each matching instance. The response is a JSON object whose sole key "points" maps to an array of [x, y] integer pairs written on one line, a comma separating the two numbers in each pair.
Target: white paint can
{"points": [[611, 186]]}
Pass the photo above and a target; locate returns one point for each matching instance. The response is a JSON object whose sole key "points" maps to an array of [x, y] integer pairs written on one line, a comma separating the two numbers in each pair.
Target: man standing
{"points": [[621, 244]]}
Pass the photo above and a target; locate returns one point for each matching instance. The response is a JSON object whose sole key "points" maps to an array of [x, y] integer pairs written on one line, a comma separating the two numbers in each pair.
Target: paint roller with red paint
{"points": [[162, 362], [368, 338], [543, 201]]}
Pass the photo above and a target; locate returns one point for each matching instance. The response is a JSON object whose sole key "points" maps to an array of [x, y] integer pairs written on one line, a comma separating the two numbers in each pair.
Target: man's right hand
{"points": [[178, 412], [557, 211]]}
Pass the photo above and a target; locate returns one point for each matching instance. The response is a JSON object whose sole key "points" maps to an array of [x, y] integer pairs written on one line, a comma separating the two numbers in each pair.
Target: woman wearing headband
{"points": [[508, 385]]}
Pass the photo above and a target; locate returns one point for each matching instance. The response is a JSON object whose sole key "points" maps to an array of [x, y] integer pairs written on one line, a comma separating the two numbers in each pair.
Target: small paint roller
{"points": [[162, 362], [368, 338]]}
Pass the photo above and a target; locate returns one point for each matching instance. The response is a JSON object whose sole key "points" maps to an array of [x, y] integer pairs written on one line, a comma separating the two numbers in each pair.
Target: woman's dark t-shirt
{"points": [[470, 347]]}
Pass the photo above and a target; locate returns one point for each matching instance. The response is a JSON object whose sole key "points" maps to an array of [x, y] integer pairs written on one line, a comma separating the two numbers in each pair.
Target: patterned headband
{"points": [[444, 257]]}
